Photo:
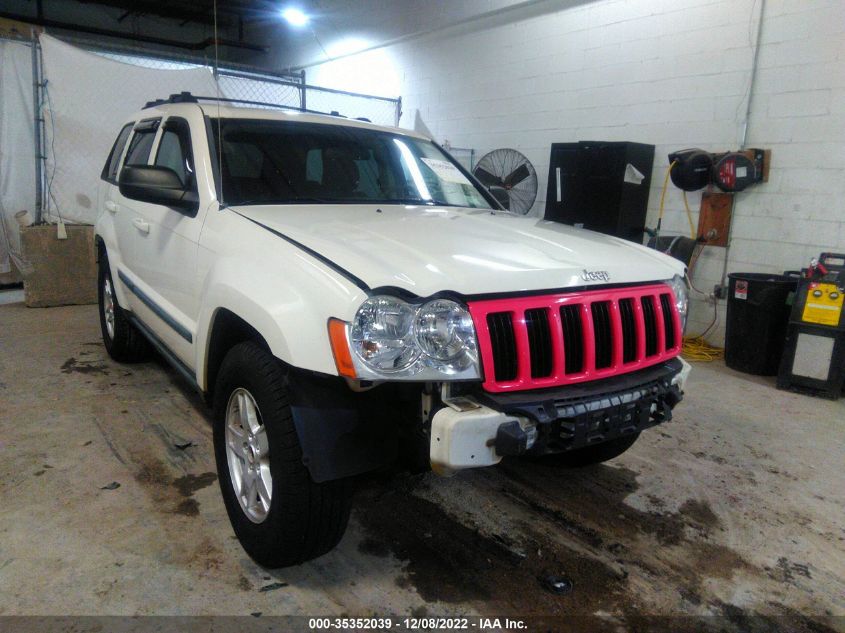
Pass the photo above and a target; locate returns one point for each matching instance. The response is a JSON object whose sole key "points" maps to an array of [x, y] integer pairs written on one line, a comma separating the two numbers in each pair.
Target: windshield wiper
{"points": [[428, 203], [401, 201], [309, 199], [357, 201]]}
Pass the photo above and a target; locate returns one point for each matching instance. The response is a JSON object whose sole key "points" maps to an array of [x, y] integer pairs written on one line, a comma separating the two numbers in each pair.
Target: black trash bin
{"points": [[758, 315]]}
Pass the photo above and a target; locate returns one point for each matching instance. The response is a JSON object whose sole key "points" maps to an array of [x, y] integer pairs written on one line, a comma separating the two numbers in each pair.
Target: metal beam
{"points": [[81, 28], [172, 10], [38, 129], [198, 11]]}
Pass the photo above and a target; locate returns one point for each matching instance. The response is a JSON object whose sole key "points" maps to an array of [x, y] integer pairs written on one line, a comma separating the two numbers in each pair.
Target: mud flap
{"points": [[342, 433]]}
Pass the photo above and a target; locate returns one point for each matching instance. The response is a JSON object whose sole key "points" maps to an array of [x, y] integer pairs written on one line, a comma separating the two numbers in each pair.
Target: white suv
{"points": [[348, 298]]}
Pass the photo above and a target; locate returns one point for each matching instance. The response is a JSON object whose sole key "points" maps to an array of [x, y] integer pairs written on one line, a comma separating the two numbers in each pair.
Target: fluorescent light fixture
{"points": [[295, 17]]}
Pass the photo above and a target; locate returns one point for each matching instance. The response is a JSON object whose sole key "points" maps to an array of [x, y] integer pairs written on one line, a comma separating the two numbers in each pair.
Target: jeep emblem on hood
{"points": [[595, 275]]}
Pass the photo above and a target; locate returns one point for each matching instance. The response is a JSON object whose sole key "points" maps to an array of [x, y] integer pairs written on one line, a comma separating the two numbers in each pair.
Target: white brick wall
{"points": [[674, 73]]}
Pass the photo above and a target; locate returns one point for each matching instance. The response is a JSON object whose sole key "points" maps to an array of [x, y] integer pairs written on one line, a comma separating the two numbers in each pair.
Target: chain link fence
{"points": [[260, 87], [379, 110]]}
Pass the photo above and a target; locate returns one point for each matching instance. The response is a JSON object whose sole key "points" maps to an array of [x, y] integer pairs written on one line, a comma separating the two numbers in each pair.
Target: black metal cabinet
{"points": [[588, 185]]}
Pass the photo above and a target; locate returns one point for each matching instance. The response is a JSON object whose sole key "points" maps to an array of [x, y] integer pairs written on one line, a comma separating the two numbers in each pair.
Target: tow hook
{"points": [[515, 437]]}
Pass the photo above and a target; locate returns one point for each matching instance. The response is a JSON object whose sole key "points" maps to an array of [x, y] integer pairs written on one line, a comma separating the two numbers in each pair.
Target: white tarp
{"points": [[17, 151], [88, 98]]}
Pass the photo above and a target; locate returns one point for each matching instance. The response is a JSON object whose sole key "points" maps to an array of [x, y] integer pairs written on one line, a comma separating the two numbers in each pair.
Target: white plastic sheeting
{"points": [[17, 151], [87, 99]]}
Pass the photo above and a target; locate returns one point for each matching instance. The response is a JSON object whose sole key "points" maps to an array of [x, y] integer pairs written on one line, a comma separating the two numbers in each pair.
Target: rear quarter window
{"points": [[109, 172]]}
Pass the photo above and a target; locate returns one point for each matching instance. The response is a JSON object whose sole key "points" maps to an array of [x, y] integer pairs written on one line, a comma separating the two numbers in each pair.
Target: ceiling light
{"points": [[295, 17]]}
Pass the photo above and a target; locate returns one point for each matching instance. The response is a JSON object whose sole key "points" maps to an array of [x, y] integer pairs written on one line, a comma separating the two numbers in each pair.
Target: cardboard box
{"points": [[64, 271]]}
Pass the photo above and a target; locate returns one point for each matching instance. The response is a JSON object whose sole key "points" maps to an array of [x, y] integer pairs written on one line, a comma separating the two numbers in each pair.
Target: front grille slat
{"points": [[504, 345], [539, 342], [554, 340], [668, 320], [602, 333], [629, 330], [573, 340], [650, 326]]}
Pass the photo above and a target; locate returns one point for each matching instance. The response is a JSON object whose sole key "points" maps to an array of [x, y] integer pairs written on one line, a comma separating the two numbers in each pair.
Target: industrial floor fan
{"points": [[510, 177]]}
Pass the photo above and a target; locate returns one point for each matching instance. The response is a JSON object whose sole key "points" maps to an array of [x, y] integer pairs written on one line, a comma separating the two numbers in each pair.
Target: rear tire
{"points": [[299, 519], [123, 341], [591, 455]]}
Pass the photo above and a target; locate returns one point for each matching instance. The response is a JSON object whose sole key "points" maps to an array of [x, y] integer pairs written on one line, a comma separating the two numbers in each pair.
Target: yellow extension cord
{"points": [[696, 349]]}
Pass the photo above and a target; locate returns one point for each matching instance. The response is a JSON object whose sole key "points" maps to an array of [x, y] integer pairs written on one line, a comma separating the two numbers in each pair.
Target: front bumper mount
{"points": [[555, 420]]}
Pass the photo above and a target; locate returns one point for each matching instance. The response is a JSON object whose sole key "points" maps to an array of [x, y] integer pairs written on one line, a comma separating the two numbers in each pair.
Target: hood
{"points": [[425, 250]]}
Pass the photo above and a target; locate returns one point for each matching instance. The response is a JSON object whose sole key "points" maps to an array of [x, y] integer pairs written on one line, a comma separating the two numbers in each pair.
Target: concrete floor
{"points": [[733, 508]]}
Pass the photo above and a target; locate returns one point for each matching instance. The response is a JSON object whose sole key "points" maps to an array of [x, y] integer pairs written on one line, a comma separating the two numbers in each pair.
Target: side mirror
{"points": [[501, 195], [157, 185]]}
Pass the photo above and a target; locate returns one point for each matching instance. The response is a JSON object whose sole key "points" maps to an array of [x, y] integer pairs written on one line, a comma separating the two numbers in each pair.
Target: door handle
{"points": [[142, 226], [111, 206]]}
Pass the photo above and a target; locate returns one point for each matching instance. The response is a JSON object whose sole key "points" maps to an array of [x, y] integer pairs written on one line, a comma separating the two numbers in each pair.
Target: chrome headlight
{"points": [[678, 285], [444, 330], [393, 339], [382, 334]]}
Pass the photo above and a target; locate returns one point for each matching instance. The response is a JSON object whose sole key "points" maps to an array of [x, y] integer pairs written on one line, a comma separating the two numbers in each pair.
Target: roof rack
{"points": [[187, 97], [181, 97]]}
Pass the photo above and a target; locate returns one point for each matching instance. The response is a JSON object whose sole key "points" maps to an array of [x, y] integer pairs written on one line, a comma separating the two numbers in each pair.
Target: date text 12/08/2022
{"points": [[417, 624]]}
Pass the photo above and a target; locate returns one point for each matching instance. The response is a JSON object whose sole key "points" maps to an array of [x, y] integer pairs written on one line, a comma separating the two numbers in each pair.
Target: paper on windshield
{"points": [[446, 171]]}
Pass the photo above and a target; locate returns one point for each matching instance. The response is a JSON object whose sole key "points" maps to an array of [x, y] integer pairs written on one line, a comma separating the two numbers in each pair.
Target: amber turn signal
{"points": [[340, 348]]}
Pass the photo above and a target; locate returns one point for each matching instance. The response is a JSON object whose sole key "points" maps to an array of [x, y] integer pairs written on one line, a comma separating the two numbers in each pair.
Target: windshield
{"points": [[287, 162]]}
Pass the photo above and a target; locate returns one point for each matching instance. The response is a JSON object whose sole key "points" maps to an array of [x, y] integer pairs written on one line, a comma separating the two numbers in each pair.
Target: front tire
{"points": [[123, 341], [591, 455], [280, 516]]}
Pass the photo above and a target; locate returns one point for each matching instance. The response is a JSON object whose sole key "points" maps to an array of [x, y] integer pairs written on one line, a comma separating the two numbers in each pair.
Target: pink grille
{"points": [[562, 339]]}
